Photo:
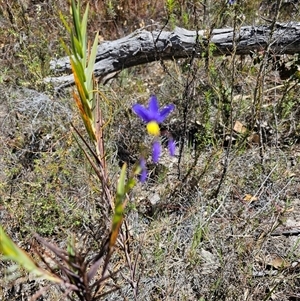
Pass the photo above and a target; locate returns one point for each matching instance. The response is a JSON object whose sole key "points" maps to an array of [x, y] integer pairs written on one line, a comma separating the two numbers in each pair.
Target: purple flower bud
{"points": [[143, 176], [144, 173], [171, 147], [156, 150]]}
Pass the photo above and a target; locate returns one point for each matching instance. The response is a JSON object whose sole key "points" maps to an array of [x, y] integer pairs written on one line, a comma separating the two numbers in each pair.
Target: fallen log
{"points": [[144, 46]]}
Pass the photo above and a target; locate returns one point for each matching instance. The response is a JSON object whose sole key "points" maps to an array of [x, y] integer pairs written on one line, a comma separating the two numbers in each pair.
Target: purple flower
{"points": [[156, 150], [231, 2], [153, 116], [152, 113]]}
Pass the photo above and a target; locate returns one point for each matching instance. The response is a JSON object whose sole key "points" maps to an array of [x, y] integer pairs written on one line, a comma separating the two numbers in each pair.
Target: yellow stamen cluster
{"points": [[153, 128]]}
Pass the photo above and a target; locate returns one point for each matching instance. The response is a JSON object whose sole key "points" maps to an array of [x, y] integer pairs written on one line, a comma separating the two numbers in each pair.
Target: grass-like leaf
{"points": [[119, 207], [76, 19], [83, 93], [78, 70], [86, 120], [83, 29], [12, 252], [90, 68], [65, 23], [77, 47]]}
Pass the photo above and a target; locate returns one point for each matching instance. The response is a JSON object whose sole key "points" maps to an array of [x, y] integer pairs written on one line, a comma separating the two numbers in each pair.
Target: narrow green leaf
{"points": [[90, 68], [75, 63], [76, 19], [84, 22], [65, 23], [71, 246], [130, 184], [137, 169], [67, 50], [78, 70], [121, 183], [12, 252], [85, 104], [77, 47], [87, 121], [119, 208], [83, 30]]}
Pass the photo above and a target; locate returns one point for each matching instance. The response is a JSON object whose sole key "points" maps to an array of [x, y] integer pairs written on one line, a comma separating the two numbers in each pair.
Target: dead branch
{"points": [[143, 46]]}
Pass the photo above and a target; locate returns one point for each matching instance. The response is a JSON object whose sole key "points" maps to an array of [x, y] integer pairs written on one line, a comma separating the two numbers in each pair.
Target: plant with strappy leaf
{"points": [[77, 275]]}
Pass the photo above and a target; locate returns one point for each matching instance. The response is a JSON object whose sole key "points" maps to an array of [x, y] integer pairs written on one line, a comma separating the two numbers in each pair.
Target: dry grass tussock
{"points": [[220, 220]]}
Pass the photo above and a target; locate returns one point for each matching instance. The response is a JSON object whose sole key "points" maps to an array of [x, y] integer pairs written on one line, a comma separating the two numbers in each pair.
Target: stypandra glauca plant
{"points": [[78, 276]]}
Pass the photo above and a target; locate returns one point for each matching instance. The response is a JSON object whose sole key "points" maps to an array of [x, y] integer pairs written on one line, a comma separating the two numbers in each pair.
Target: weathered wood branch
{"points": [[143, 46]]}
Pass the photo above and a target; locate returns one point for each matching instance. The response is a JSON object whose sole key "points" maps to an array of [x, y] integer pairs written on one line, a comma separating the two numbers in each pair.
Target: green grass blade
{"points": [[83, 30], [78, 70], [77, 47], [12, 252], [76, 19], [90, 68], [87, 121], [119, 209], [65, 23], [121, 184]]}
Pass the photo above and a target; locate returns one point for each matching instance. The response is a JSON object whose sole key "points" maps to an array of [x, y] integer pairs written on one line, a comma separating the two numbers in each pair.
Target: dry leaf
{"points": [[210, 262], [254, 138], [277, 262], [250, 198], [239, 127], [291, 209], [289, 174]]}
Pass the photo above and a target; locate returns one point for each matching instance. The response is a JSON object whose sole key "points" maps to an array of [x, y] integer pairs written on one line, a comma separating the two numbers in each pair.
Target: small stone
{"points": [[154, 199]]}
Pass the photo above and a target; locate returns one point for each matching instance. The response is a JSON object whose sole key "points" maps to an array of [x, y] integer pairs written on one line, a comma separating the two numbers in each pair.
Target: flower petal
{"points": [[142, 112], [171, 147], [165, 112], [156, 150], [144, 173], [143, 176], [153, 107]]}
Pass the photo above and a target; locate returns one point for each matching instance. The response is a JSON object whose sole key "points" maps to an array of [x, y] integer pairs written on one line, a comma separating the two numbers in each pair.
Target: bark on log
{"points": [[143, 46]]}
